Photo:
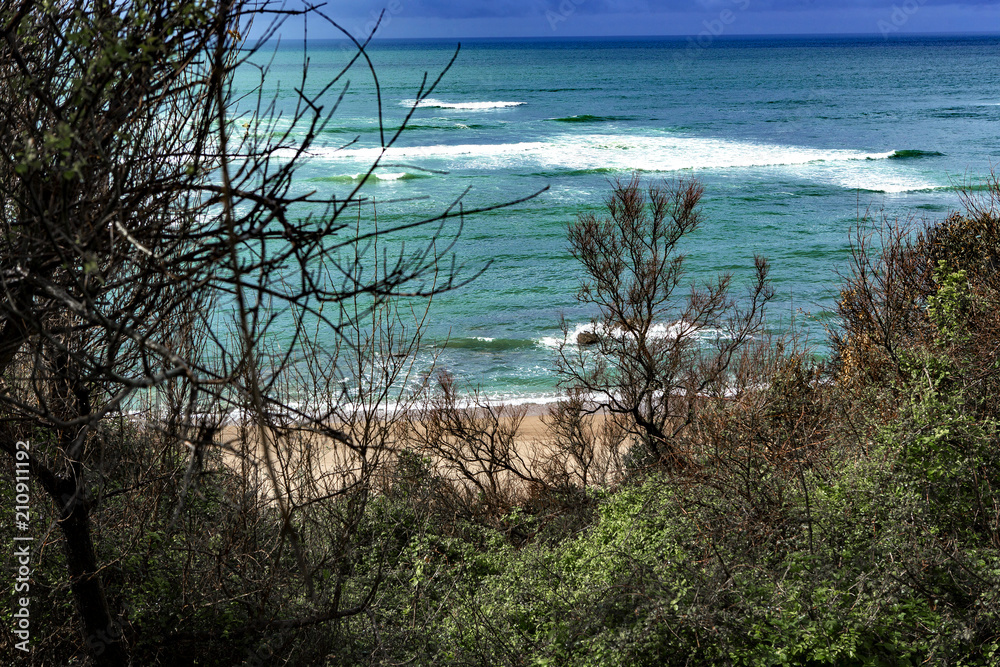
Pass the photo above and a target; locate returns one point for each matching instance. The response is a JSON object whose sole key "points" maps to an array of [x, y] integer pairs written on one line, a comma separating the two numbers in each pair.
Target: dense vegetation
{"points": [[841, 513], [733, 500]]}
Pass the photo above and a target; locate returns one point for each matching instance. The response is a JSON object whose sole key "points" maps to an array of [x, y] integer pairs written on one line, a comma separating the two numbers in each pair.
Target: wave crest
{"points": [[658, 331], [568, 154], [465, 106]]}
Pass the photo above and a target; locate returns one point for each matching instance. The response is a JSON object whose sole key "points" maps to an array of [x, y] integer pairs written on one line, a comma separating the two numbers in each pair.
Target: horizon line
{"points": [[804, 35]]}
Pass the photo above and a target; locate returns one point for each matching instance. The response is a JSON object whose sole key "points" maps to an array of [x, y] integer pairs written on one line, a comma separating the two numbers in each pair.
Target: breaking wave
{"points": [[465, 106], [572, 154]]}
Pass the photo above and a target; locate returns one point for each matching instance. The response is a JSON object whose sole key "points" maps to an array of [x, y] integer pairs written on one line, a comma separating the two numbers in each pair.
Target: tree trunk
{"points": [[102, 634]]}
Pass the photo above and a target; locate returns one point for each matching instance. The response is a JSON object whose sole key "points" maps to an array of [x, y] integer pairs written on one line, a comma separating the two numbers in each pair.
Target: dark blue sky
{"points": [[568, 18]]}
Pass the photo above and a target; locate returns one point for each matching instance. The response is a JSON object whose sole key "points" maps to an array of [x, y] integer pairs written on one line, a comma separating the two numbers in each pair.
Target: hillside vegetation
{"points": [[841, 512], [207, 428]]}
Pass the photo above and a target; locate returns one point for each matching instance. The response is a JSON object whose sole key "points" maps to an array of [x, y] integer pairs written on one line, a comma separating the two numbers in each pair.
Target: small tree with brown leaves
{"points": [[659, 356]]}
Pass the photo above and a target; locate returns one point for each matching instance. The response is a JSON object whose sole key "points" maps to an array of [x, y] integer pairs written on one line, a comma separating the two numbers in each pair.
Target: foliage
{"points": [[147, 250], [732, 501]]}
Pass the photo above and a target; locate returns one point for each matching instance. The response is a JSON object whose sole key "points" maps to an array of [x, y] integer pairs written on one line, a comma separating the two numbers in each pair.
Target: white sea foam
{"points": [[465, 106], [655, 153], [875, 176], [657, 331]]}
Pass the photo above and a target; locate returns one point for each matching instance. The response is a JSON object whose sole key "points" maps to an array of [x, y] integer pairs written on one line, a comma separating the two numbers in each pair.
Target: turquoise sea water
{"points": [[793, 139]]}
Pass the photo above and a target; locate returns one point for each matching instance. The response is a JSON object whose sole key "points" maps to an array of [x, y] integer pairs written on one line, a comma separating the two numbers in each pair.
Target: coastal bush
{"points": [[658, 356], [814, 527], [887, 302], [926, 406]]}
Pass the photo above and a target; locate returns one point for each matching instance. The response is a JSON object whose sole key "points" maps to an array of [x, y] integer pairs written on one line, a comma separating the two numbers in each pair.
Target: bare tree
{"points": [[474, 444], [657, 356], [587, 448], [134, 215]]}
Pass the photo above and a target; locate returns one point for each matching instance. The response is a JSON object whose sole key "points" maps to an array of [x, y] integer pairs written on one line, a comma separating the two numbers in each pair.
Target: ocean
{"points": [[795, 140]]}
